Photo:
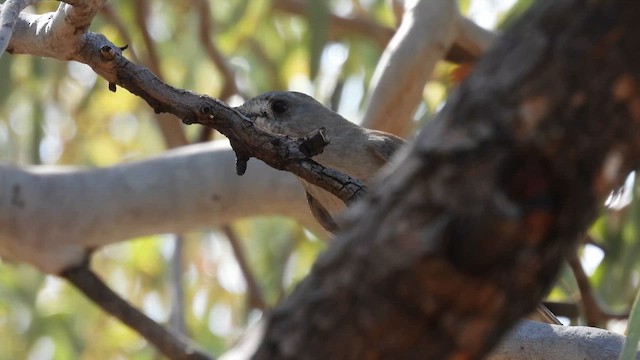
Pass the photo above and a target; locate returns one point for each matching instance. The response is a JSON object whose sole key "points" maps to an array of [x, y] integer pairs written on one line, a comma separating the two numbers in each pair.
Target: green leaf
{"points": [[633, 332]]}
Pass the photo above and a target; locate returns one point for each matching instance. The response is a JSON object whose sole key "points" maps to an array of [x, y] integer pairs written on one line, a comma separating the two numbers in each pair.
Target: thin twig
{"points": [[283, 257], [256, 299], [176, 318], [230, 86], [246, 139], [340, 25], [173, 136], [172, 132], [141, 10], [171, 344], [593, 311], [205, 31]]}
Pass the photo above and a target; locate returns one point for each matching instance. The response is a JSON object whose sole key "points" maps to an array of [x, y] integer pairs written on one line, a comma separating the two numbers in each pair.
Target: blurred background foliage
{"points": [[59, 113]]}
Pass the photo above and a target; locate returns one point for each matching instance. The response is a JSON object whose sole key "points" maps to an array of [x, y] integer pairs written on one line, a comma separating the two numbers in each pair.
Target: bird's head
{"points": [[289, 113]]}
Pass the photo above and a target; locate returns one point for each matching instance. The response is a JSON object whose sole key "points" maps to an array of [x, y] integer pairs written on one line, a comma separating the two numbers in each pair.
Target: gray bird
{"points": [[352, 149]]}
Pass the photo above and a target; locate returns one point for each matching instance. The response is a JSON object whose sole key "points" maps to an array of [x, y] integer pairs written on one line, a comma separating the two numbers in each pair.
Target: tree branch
{"points": [[533, 340], [473, 37], [90, 208], [205, 31], [106, 59], [527, 340], [171, 344], [113, 17], [465, 232], [592, 307], [492, 226], [280, 152], [341, 26], [427, 31], [172, 131], [176, 285], [254, 293], [8, 17], [58, 34]]}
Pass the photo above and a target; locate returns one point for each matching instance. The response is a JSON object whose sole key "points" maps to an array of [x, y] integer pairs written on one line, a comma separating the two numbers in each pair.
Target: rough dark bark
{"points": [[468, 229], [247, 140]]}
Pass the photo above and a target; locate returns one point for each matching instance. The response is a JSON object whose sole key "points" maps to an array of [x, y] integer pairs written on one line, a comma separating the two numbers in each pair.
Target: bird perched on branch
{"points": [[352, 149]]}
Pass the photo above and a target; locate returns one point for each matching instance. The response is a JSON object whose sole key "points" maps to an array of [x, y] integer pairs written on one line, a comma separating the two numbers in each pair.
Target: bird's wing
{"points": [[383, 145], [321, 214]]}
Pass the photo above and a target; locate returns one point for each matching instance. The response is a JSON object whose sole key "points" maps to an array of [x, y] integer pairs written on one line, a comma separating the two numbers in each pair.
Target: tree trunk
{"points": [[466, 231]]}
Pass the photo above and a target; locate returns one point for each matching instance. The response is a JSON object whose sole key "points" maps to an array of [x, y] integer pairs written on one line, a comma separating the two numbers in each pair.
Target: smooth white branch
{"points": [[534, 340], [10, 11], [474, 37], [527, 340], [50, 218], [427, 32], [58, 34]]}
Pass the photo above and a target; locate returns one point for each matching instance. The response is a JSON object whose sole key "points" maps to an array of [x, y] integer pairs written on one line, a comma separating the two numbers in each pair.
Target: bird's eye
{"points": [[279, 106]]}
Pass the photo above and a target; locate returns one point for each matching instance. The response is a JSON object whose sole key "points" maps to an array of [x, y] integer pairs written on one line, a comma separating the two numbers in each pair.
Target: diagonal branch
{"points": [[427, 31], [35, 35], [254, 293], [591, 305], [469, 226], [114, 18], [8, 17], [341, 26], [205, 31], [473, 37], [74, 17], [58, 34], [280, 152], [176, 286], [106, 59], [169, 343], [205, 34], [172, 131]]}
